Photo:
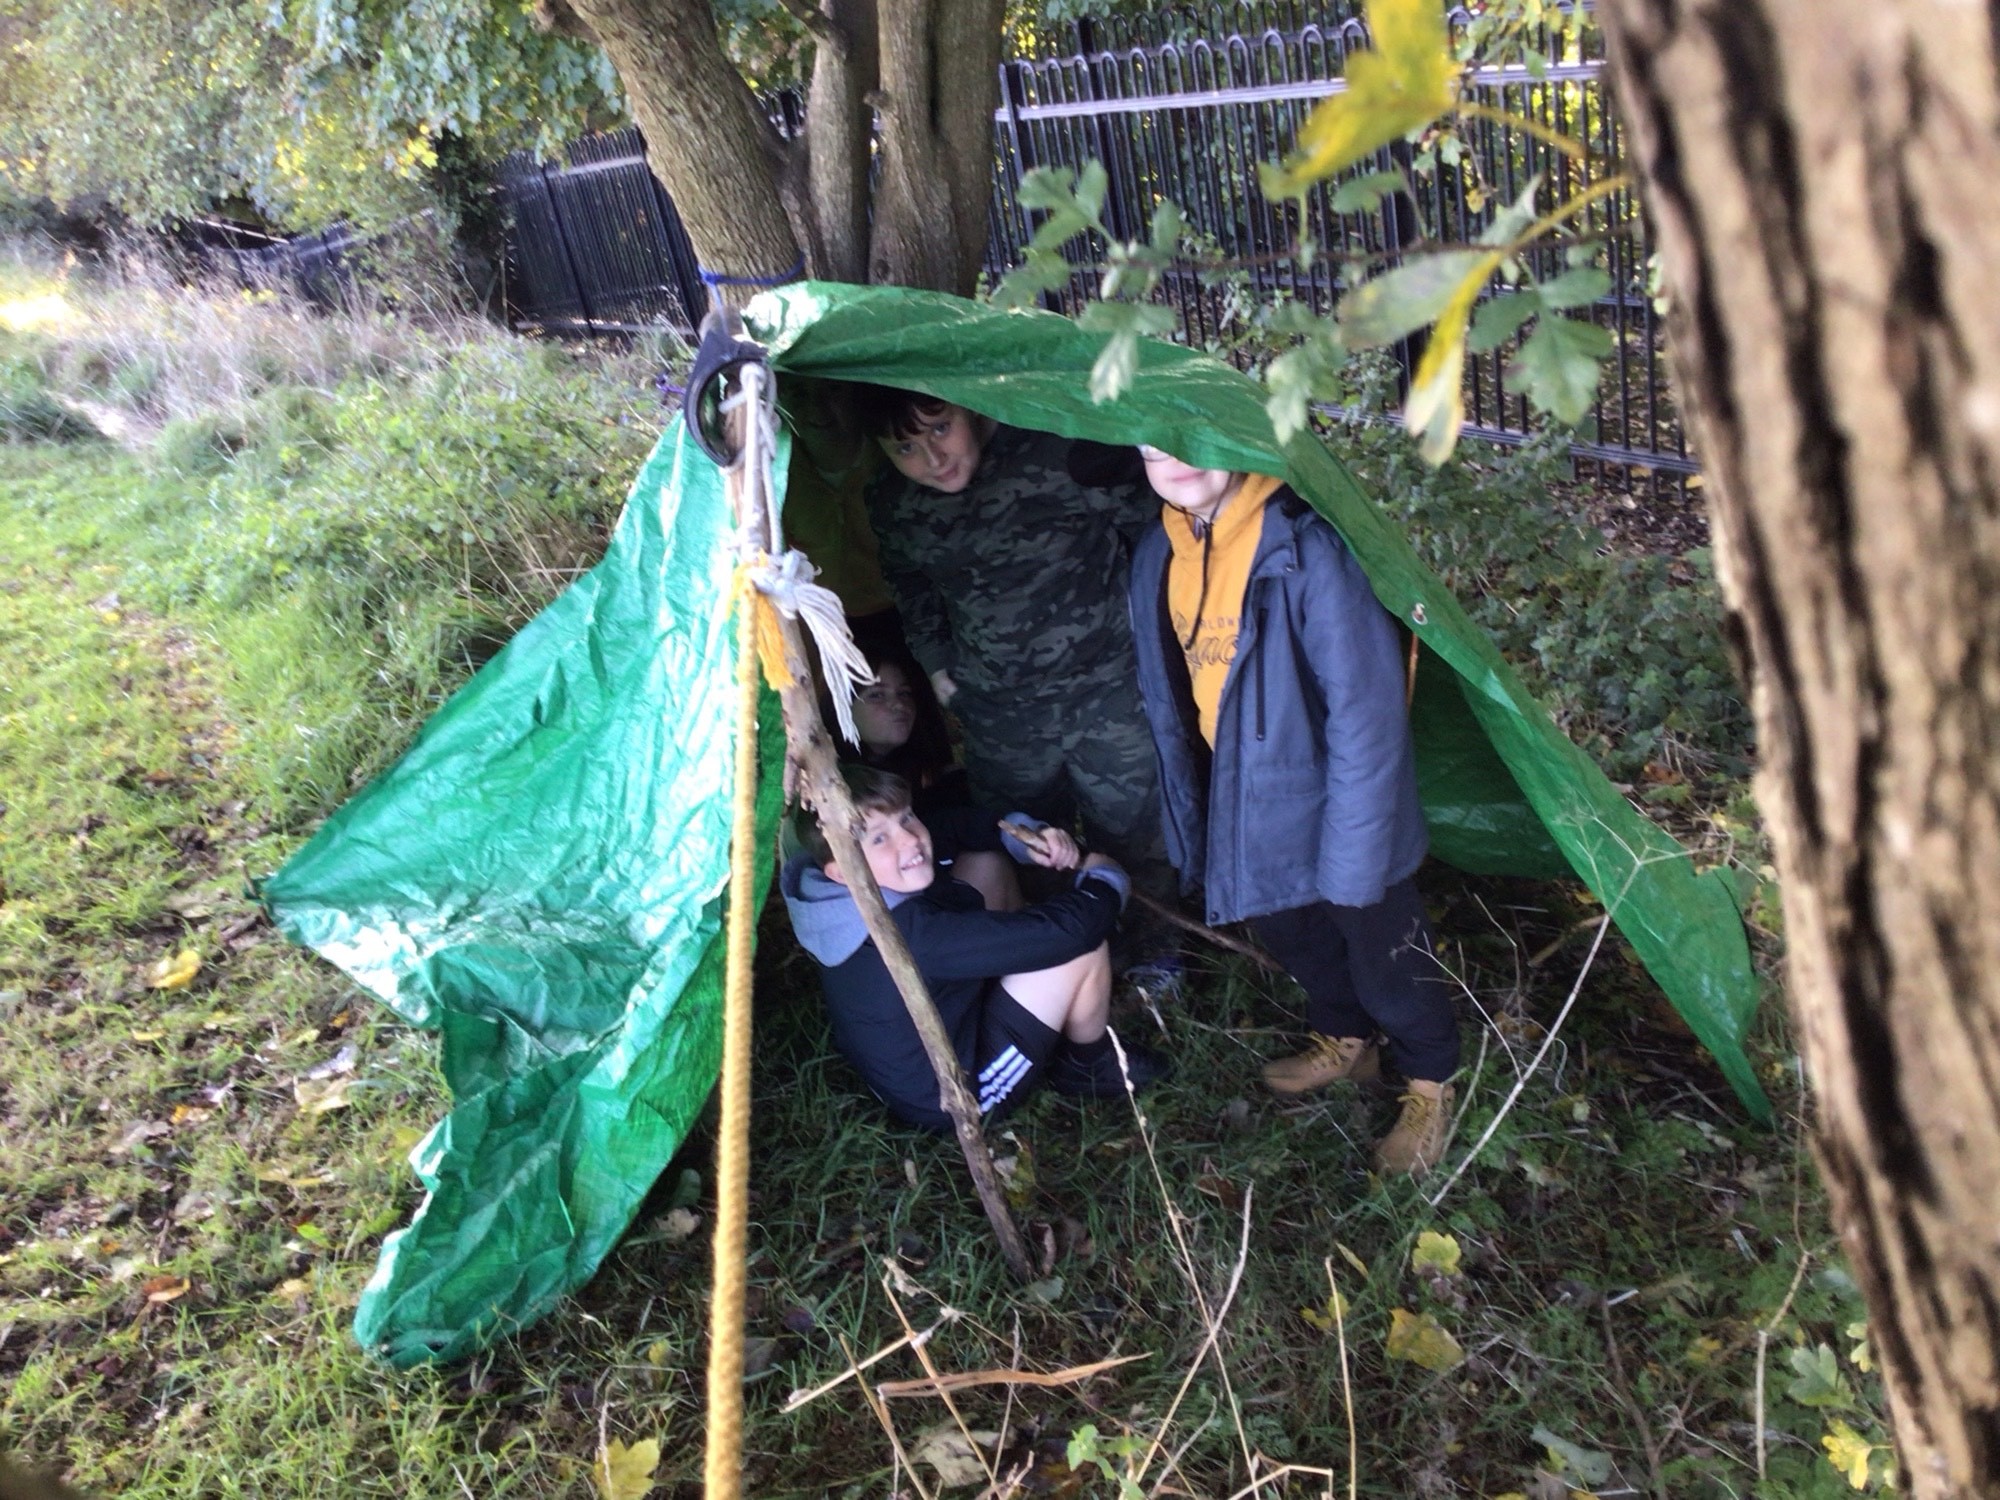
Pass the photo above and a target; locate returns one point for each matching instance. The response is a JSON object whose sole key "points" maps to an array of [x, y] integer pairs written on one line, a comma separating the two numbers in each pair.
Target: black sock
{"points": [[1090, 1052]]}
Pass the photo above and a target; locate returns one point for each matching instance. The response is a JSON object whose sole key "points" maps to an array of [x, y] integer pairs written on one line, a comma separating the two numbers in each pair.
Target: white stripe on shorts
{"points": [[1000, 1076]]}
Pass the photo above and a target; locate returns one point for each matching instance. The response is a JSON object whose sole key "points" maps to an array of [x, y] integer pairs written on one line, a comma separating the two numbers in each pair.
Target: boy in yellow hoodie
{"points": [[1273, 683]]}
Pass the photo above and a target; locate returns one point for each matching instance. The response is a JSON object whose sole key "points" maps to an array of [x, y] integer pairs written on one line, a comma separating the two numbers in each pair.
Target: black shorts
{"points": [[1014, 1047]]}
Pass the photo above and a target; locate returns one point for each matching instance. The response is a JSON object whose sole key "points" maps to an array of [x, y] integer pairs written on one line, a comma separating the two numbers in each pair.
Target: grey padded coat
{"points": [[1311, 791]]}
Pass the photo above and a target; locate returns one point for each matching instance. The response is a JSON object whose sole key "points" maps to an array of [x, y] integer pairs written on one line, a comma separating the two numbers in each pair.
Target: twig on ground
{"points": [[1764, 1349], [881, 1410], [1346, 1386], [802, 1398], [942, 1385], [943, 1388], [1534, 1063], [1212, 1320], [1280, 1472]]}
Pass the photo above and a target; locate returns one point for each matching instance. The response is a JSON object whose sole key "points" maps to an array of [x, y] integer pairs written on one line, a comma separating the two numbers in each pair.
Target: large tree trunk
{"points": [[1821, 175], [754, 203]]}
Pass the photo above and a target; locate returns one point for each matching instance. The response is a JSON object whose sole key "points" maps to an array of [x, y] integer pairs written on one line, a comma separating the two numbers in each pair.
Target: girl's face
{"points": [[885, 711], [1199, 492], [942, 454]]}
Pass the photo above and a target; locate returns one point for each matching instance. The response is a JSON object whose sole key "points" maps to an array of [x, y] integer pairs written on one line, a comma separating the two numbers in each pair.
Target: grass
{"points": [[182, 1238]]}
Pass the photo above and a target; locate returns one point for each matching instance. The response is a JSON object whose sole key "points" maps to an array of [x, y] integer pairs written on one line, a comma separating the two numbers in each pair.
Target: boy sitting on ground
{"points": [[1024, 995]]}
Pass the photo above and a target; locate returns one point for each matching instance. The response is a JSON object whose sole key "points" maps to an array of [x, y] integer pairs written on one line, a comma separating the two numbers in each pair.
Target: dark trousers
{"points": [[1367, 969]]}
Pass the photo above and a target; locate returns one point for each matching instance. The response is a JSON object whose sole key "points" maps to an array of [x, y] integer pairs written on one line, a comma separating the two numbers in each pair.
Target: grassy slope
{"points": [[1625, 1237]]}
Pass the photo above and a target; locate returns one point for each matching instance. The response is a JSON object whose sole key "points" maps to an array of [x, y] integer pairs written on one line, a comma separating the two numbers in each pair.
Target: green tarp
{"points": [[540, 877]]}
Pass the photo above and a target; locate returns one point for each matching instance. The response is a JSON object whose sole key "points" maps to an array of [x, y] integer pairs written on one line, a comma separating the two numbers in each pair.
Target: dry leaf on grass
{"points": [[317, 1097], [625, 1472], [165, 1288], [957, 1461], [1436, 1252], [1422, 1340], [139, 1132], [175, 971]]}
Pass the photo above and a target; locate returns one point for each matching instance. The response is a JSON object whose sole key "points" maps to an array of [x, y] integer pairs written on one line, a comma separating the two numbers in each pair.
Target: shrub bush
{"points": [[363, 552], [1625, 649], [28, 411]]}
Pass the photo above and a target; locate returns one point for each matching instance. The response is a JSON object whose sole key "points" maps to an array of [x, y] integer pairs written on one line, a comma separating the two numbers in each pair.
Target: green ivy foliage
{"points": [[1624, 646]]}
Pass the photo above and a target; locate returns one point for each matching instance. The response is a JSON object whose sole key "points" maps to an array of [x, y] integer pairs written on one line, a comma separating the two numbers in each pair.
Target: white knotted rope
{"points": [[786, 578]]}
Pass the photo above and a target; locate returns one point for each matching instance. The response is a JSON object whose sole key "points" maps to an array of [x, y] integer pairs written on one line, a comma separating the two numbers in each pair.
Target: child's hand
{"points": [[943, 686], [1095, 861], [1055, 850], [1047, 846]]}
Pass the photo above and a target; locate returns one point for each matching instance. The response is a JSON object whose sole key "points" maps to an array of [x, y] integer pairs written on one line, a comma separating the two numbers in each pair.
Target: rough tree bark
{"points": [[753, 202], [1821, 176]]}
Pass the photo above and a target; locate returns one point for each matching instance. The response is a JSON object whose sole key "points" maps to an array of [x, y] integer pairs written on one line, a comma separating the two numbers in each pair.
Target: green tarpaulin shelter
{"points": [[540, 877]]}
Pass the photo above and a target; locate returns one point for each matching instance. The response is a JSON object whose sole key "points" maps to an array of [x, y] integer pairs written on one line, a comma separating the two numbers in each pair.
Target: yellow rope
{"points": [[722, 1474]]}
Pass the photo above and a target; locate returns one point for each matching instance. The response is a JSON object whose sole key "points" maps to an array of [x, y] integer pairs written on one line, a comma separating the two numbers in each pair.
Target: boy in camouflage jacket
{"points": [[1010, 573]]}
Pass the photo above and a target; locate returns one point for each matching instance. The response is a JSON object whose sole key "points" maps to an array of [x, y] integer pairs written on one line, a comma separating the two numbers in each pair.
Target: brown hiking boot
{"points": [[1418, 1140], [1326, 1059]]}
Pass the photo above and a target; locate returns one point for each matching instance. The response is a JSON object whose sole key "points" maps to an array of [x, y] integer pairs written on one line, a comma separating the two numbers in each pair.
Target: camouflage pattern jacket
{"points": [[1015, 585]]}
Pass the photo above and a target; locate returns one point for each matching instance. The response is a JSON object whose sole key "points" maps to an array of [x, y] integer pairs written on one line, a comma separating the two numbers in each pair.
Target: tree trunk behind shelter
{"points": [[1822, 177], [754, 204]]}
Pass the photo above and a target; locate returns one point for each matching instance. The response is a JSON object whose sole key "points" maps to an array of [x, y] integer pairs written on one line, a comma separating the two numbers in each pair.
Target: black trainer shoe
{"points": [[1102, 1079]]}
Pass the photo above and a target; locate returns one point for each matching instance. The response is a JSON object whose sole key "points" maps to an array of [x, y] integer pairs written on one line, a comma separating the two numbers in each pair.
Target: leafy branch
{"points": [[1401, 88]]}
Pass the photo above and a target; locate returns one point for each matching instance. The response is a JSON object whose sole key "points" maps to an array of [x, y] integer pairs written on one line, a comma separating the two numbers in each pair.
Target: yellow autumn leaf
{"points": [[1862, 1354], [1329, 1317], [316, 1096], [1436, 1252], [1399, 85], [1436, 407], [1360, 1265], [176, 971], [148, 1036], [1422, 1340], [625, 1472], [286, 1291], [1849, 1451]]}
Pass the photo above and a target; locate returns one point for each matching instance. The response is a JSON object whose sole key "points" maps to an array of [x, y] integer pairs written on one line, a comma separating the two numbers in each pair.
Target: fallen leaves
{"points": [[320, 1096], [1329, 1318], [955, 1454], [139, 1132], [174, 972], [160, 1289], [625, 1471], [1435, 1252], [1422, 1340]]}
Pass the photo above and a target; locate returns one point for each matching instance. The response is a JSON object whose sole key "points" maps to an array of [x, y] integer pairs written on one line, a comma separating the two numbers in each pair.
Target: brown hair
{"points": [[873, 792], [885, 411]]}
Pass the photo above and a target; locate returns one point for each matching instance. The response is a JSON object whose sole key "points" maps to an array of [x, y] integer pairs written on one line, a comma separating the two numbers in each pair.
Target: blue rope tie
{"points": [[716, 278]]}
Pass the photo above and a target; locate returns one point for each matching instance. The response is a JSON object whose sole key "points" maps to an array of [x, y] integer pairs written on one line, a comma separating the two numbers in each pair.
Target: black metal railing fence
{"points": [[1183, 104]]}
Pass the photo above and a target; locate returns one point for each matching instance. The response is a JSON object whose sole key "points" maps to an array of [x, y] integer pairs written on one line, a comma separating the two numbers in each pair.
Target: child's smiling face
{"points": [[942, 454], [1199, 492], [898, 850], [885, 711]]}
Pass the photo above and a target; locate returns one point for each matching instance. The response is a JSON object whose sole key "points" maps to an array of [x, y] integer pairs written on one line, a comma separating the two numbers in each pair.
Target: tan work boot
{"points": [[1417, 1142], [1326, 1059]]}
